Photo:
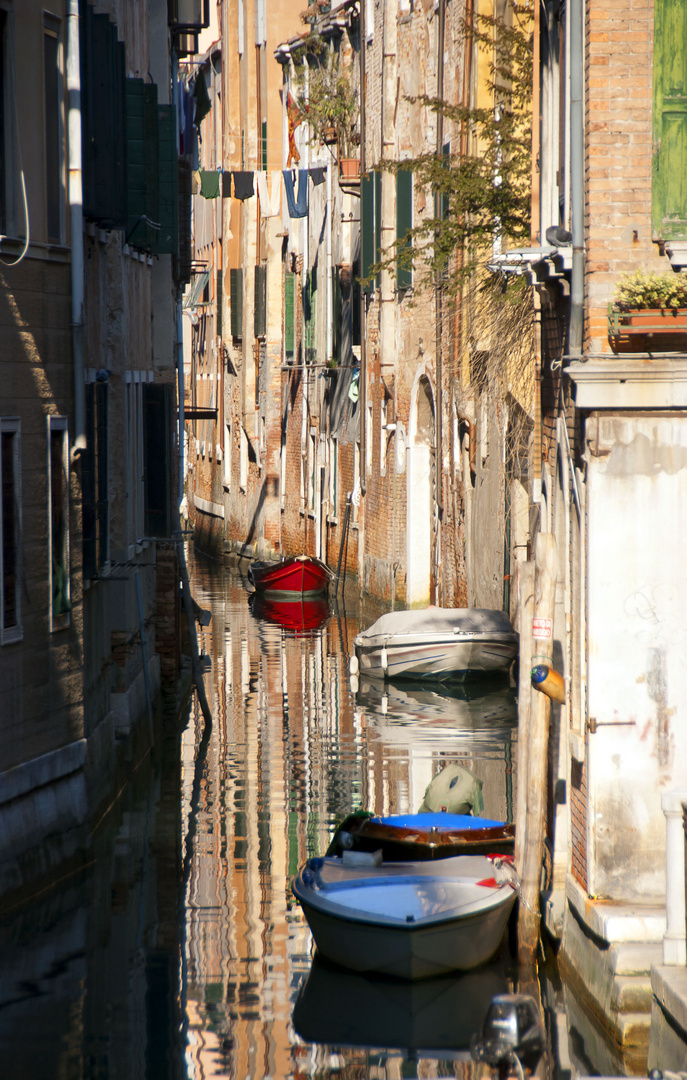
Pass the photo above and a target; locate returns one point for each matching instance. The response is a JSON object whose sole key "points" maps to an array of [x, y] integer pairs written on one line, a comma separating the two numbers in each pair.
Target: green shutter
{"points": [[143, 167], [336, 316], [289, 321], [669, 188], [260, 296], [218, 303], [310, 315], [167, 238], [236, 301], [367, 228], [404, 222]]}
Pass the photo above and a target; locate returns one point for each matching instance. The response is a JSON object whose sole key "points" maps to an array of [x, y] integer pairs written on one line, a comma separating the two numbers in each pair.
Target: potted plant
{"points": [[646, 303], [329, 104]]}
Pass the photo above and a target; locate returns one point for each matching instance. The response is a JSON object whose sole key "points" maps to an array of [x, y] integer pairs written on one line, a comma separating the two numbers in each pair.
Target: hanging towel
{"points": [[269, 207], [209, 184], [298, 207], [317, 175], [226, 184], [243, 185], [195, 182]]}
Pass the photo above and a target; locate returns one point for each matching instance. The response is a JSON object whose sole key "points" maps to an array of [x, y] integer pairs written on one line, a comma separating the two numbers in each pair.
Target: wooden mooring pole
{"points": [[538, 586]]}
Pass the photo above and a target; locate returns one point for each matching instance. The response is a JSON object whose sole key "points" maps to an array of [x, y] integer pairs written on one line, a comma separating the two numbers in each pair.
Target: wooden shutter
{"points": [[404, 222], [102, 110], [236, 302], [336, 316], [157, 434], [289, 315], [669, 187], [218, 304], [260, 296], [142, 162], [310, 316]]}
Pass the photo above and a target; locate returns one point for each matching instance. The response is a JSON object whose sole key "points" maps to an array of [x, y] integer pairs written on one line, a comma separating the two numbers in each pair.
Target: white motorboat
{"points": [[437, 643], [409, 920]]}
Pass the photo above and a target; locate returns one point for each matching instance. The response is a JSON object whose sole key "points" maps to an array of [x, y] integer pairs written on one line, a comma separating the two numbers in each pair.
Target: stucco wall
{"points": [[637, 491]]}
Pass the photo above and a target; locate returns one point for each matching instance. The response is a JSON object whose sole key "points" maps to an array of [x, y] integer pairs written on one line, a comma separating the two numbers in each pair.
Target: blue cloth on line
{"points": [[298, 206]]}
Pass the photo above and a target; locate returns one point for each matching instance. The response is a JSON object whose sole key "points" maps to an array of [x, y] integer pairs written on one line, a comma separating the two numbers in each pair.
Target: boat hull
{"points": [[406, 920], [409, 953], [437, 657], [300, 576], [440, 644]]}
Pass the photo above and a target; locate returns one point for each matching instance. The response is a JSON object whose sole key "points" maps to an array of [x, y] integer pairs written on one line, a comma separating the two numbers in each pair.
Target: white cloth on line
{"points": [[269, 206]]}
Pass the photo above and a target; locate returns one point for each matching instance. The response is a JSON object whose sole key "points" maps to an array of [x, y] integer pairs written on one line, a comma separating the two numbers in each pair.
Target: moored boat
{"points": [[420, 837], [301, 575], [437, 643], [409, 920]]}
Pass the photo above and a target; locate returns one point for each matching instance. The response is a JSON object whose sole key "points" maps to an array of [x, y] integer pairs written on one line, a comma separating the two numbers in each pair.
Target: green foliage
{"points": [[645, 289], [327, 98], [484, 188]]}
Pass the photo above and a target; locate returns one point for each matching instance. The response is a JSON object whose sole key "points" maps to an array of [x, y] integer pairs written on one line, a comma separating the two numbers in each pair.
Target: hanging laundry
{"points": [[209, 184], [195, 182], [294, 118], [317, 175], [298, 207], [203, 104], [226, 184], [243, 185], [269, 207]]}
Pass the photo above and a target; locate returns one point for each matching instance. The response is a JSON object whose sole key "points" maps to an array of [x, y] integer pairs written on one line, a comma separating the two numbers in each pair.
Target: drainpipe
{"points": [[575, 334], [363, 307], [76, 222], [180, 397]]}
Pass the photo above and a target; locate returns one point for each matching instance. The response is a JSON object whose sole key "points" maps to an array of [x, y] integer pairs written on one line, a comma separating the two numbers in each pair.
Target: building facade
{"points": [[90, 270]]}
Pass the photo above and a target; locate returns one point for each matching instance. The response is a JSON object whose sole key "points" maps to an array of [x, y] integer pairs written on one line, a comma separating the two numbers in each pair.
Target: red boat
{"points": [[301, 575]]}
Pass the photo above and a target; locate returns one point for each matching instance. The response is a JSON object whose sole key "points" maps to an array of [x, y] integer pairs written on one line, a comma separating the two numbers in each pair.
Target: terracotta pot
{"points": [[349, 170]]}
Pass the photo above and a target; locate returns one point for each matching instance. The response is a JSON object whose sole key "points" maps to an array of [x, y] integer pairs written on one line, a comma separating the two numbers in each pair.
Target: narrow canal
{"points": [[181, 953]]}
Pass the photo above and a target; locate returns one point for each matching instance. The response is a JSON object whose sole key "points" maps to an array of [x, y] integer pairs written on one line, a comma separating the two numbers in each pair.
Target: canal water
{"points": [[181, 953]]}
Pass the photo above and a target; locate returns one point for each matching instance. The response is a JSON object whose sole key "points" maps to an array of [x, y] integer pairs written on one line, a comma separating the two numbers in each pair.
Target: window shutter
{"points": [[378, 222], [218, 304], [310, 316], [289, 320], [260, 297], [367, 228], [142, 162], [336, 316], [236, 301], [669, 188], [102, 87], [404, 222], [167, 238], [157, 432]]}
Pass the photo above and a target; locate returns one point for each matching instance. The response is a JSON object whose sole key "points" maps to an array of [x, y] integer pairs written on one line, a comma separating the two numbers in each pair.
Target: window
{"points": [[370, 226], [243, 461], [157, 447], [58, 522], [368, 440], [6, 90], [10, 531], [52, 87], [94, 480], [289, 316], [135, 470], [312, 468], [226, 478], [383, 437], [333, 477]]}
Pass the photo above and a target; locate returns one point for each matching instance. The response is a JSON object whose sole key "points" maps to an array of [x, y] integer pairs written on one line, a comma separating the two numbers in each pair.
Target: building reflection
{"points": [[291, 752]]}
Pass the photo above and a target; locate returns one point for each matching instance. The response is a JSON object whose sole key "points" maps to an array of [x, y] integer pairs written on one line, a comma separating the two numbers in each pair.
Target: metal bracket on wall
{"points": [[593, 724]]}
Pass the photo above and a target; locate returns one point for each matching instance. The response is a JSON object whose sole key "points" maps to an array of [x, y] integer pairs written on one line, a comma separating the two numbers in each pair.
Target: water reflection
{"points": [[294, 616], [181, 952]]}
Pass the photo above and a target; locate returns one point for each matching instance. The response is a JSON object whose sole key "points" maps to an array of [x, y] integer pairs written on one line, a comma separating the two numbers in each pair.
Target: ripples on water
{"points": [[181, 952]]}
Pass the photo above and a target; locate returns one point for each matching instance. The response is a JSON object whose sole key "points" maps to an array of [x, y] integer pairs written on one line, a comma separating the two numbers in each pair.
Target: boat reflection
{"points": [[461, 705], [437, 1017], [295, 616]]}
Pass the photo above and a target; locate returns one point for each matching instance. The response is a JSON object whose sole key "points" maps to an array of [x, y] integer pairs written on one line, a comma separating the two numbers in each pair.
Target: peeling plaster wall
{"points": [[637, 657]]}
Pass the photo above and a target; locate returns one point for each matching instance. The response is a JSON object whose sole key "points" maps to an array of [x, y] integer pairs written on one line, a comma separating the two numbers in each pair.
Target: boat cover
{"points": [[439, 821], [439, 620]]}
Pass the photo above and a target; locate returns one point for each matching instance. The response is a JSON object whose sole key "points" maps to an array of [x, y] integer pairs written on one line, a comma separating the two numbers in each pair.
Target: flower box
{"points": [[638, 328]]}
